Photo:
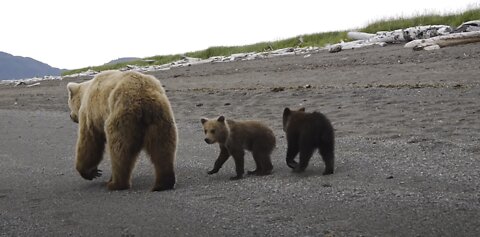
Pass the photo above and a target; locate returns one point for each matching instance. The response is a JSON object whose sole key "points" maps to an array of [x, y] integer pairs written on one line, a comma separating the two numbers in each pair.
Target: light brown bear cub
{"points": [[235, 136], [128, 111]]}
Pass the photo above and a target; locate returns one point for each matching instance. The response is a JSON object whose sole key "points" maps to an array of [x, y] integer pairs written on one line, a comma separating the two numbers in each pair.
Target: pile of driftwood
{"points": [[419, 37]]}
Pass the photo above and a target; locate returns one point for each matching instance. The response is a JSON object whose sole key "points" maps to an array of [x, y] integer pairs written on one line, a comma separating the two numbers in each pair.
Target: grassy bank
{"points": [[453, 20], [319, 39]]}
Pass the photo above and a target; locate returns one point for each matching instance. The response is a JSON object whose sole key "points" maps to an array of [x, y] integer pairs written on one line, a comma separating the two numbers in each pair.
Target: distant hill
{"points": [[16, 67], [122, 60]]}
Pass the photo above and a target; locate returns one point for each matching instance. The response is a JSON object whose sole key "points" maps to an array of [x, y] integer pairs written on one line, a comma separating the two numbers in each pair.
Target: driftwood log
{"points": [[382, 38], [402, 35], [469, 26], [445, 41]]}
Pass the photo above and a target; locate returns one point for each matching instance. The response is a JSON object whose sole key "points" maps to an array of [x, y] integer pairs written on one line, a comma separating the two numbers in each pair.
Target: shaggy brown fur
{"points": [[305, 133], [128, 111], [235, 136]]}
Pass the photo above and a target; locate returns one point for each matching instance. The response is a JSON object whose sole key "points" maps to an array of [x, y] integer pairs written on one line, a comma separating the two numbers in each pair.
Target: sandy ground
{"points": [[407, 148]]}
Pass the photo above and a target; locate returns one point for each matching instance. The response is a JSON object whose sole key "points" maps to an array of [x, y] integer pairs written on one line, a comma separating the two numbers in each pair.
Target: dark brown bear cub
{"points": [[305, 133], [235, 136]]}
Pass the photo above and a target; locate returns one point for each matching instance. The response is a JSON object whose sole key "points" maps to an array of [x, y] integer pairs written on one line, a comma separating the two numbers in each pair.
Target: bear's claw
{"points": [[92, 174]]}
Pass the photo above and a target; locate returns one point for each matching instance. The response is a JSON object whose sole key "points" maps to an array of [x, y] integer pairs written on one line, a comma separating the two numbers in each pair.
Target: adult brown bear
{"points": [[128, 111]]}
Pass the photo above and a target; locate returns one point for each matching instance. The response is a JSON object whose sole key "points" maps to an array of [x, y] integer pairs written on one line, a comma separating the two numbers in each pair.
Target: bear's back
{"points": [[313, 126], [252, 132], [128, 83], [126, 91]]}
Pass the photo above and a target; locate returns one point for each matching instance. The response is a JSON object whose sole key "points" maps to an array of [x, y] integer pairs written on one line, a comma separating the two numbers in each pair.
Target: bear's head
{"points": [[74, 99], [288, 113], [216, 130]]}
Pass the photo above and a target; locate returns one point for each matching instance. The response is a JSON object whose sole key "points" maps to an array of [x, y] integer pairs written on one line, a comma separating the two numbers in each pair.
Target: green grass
{"points": [[452, 20], [318, 40]]}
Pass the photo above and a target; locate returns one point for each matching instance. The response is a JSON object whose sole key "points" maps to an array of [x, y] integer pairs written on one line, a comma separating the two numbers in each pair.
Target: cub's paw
{"points": [[292, 164], [259, 172], [236, 177], [264, 172], [253, 172], [327, 172], [214, 171], [91, 174], [298, 169]]}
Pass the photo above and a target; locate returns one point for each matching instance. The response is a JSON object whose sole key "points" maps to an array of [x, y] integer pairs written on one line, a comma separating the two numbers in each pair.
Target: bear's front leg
{"points": [[90, 148], [224, 155], [238, 156], [292, 151]]}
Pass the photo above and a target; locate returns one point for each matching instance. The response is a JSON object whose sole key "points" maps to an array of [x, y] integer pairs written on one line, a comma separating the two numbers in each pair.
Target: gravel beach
{"points": [[407, 127]]}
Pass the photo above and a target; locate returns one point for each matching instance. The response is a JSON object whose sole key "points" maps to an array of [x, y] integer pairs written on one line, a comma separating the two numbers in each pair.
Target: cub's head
{"points": [[74, 99], [216, 130], [288, 113]]}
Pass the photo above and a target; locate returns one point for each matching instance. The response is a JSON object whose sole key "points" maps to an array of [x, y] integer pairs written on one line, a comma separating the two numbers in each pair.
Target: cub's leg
{"points": [[238, 155], [263, 162], [306, 151], [328, 157], [292, 150], [222, 157]]}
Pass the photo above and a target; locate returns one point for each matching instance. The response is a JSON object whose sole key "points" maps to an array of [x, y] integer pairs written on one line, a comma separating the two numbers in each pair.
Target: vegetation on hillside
{"points": [[318, 39]]}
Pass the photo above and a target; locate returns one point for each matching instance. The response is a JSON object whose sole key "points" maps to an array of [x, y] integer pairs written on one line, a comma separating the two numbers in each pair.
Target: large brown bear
{"points": [[235, 136], [128, 111], [305, 133]]}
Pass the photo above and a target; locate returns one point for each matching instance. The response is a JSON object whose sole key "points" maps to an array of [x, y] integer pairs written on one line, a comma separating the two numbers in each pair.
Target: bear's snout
{"points": [[208, 141]]}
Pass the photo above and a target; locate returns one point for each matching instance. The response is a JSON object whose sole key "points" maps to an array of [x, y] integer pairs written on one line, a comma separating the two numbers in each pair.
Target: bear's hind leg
{"points": [[122, 166], [328, 158], [263, 162], [161, 145], [306, 152], [124, 138], [258, 166]]}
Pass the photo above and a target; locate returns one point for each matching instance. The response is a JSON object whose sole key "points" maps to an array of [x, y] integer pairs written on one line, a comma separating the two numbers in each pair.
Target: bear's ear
{"points": [[72, 88], [221, 119], [302, 109], [286, 111], [203, 120]]}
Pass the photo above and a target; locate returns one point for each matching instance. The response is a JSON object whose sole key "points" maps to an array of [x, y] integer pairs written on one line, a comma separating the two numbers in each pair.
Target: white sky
{"points": [[78, 33]]}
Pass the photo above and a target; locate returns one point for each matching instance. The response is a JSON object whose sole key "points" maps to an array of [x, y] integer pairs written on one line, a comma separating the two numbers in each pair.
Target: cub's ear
{"points": [[302, 109], [72, 88], [203, 120], [286, 111], [221, 119]]}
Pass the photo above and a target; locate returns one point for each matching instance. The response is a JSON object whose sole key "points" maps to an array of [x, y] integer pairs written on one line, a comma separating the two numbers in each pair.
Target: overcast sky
{"points": [[78, 33]]}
